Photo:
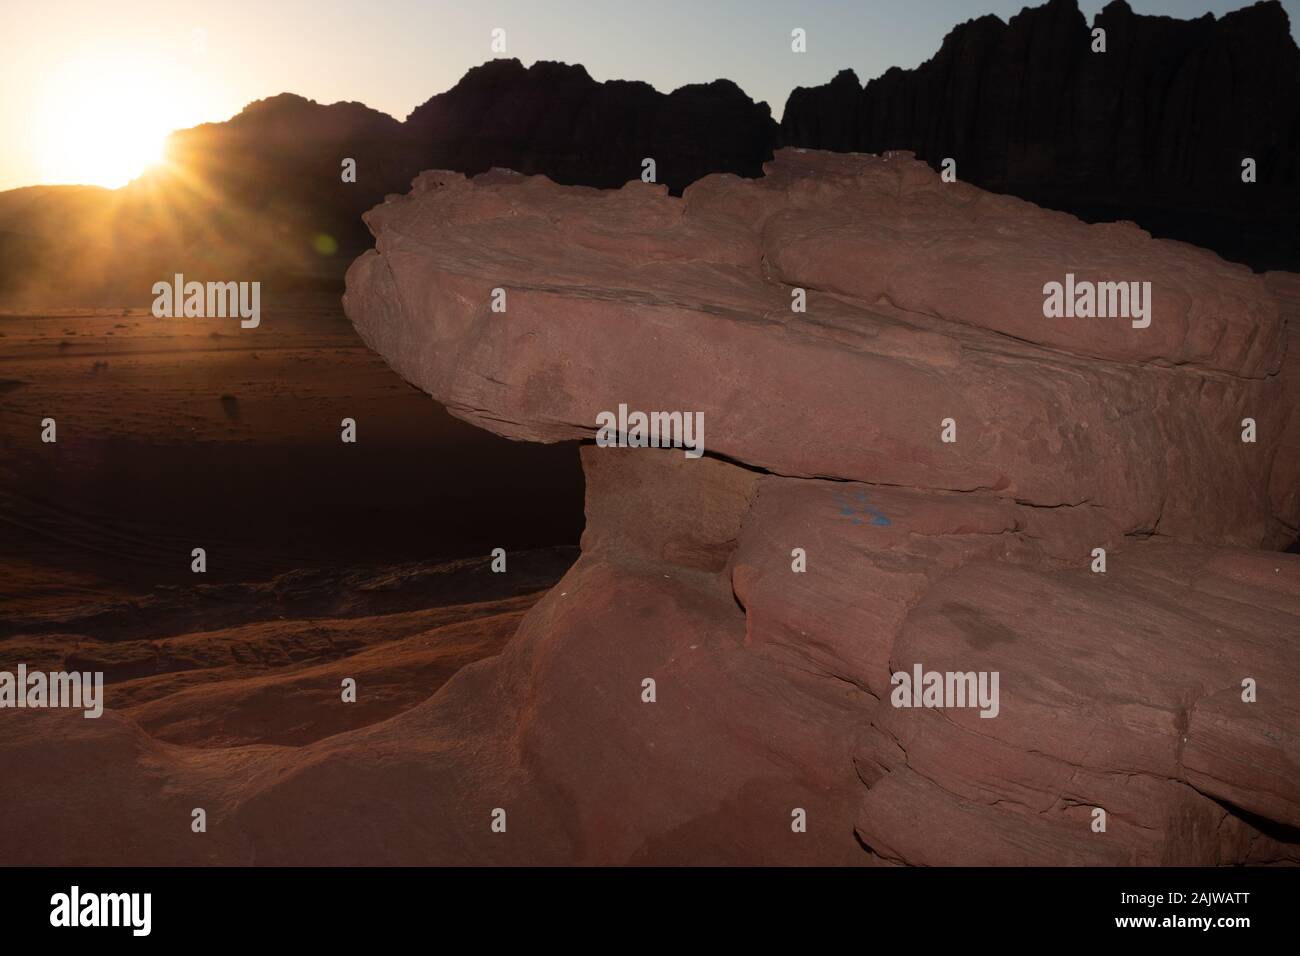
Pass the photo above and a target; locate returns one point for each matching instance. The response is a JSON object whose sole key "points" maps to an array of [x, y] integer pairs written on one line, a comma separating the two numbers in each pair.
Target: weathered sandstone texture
{"points": [[1120, 690], [925, 302]]}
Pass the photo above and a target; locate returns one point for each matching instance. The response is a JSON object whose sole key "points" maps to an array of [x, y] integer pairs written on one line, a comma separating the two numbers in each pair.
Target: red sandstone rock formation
{"points": [[925, 302], [1119, 690]]}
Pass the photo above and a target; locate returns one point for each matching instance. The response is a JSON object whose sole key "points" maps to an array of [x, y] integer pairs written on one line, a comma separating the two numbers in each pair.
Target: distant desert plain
{"points": [[174, 434]]}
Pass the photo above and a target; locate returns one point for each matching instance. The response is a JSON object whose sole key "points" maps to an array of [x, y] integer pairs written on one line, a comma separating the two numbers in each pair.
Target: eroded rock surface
{"points": [[925, 302], [1120, 691], [828, 540]]}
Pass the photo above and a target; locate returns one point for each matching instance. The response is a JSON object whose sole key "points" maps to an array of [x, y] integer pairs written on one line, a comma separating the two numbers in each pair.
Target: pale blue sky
{"points": [[168, 63]]}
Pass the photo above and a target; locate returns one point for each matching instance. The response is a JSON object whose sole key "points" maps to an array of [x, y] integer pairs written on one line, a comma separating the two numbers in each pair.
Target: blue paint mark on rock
{"points": [[864, 507]]}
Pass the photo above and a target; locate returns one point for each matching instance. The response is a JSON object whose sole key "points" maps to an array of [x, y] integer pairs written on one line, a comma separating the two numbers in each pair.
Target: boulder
{"points": [[831, 540]]}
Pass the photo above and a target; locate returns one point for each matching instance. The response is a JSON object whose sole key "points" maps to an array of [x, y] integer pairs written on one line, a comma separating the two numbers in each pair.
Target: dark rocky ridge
{"points": [[1154, 130], [554, 119], [255, 194]]}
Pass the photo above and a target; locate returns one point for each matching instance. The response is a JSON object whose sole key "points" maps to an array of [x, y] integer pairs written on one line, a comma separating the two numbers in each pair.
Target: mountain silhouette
{"points": [[1153, 130], [262, 196]]}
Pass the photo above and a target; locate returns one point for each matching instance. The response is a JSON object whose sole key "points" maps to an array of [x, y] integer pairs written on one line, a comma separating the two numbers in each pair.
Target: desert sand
{"points": [[178, 433], [182, 433]]}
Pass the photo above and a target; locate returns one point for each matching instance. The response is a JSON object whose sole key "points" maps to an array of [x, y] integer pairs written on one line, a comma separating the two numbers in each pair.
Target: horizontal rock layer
{"points": [[925, 302], [1122, 689]]}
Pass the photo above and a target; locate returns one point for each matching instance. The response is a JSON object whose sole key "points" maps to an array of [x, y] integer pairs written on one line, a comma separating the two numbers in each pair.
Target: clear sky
{"points": [[88, 88]]}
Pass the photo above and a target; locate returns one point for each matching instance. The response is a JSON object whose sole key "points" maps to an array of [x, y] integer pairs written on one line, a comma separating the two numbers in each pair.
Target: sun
{"points": [[105, 121]]}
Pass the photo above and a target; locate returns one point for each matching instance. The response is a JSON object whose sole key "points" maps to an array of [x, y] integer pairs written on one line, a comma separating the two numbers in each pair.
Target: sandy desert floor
{"points": [[183, 433], [325, 559]]}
